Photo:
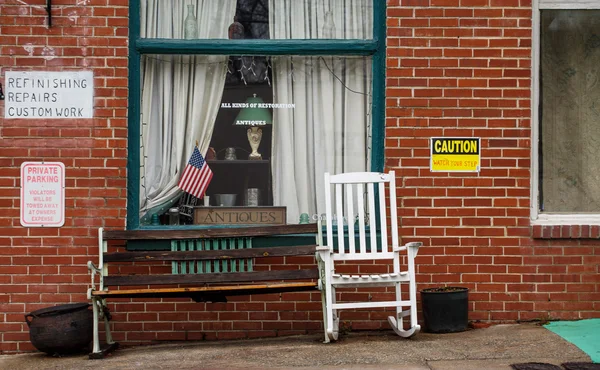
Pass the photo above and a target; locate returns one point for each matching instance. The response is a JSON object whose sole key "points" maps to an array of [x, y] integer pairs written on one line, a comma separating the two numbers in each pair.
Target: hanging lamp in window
{"points": [[254, 114]]}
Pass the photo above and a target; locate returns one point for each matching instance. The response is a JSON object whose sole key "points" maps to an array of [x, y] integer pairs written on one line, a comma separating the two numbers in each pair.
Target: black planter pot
{"points": [[445, 310], [63, 329]]}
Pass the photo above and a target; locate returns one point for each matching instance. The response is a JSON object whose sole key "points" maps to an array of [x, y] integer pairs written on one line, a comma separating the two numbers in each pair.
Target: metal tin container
{"points": [[225, 200], [174, 216], [230, 154], [252, 198]]}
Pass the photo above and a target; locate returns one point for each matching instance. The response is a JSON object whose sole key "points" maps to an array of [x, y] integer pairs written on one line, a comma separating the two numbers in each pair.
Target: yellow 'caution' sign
{"points": [[455, 154]]}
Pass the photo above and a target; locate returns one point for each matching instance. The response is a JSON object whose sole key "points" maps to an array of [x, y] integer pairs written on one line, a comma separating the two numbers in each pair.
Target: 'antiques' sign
{"points": [[239, 215], [49, 95], [455, 154], [42, 194]]}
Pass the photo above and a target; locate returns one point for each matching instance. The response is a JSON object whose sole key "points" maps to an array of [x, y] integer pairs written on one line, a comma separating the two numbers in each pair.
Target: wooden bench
{"points": [[204, 264]]}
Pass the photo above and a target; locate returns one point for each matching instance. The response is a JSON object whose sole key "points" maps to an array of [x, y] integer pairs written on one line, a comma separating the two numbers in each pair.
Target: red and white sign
{"points": [[42, 194]]}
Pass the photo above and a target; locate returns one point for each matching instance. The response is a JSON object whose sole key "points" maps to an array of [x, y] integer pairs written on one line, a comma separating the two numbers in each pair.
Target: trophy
{"points": [[254, 136]]}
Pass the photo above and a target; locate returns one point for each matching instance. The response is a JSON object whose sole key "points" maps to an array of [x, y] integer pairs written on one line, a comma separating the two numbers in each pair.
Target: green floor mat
{"points": [[585, 334]]}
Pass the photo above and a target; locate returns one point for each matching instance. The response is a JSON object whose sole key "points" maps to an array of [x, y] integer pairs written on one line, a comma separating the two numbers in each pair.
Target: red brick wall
{"points": [[463, 68], [41, 267], [455, 68]]}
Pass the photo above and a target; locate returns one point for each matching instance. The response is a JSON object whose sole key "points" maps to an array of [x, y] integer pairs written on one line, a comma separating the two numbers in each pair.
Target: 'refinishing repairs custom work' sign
{"points": [[455, 154], [42, 194], [49, 95]]}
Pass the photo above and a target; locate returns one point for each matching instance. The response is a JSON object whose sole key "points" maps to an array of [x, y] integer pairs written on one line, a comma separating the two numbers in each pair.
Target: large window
{"points": [[567, 93], [273, 93]]}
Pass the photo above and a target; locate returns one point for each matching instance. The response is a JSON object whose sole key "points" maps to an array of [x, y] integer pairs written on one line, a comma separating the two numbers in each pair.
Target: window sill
{"points": [[548, 231]]}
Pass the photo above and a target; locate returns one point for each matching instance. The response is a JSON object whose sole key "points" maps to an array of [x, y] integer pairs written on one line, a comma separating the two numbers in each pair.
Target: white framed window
{"points": [[566, 112]]}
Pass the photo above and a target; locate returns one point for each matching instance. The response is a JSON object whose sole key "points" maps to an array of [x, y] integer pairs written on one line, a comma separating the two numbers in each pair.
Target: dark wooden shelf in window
{"points": [[212, 162], [251, 173]]}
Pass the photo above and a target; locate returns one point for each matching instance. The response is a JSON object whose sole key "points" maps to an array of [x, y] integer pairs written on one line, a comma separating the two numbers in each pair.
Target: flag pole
{"points": [[196, 143]]}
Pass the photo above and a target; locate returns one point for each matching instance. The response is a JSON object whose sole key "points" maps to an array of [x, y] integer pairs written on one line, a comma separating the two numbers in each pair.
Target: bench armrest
{"points": [[92, 267], [93, 271], [323, 253]]}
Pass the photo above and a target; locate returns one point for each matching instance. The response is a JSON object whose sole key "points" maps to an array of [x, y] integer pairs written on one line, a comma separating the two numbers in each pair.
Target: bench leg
{"points": [[100, 311], [96, 348], [332, 319], [324, 307], [109, 339]]}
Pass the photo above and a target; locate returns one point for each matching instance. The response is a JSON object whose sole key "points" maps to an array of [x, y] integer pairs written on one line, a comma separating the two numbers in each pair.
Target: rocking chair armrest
{"points": [[412, 248], [323, 248], [414, 244], [407, 245]]}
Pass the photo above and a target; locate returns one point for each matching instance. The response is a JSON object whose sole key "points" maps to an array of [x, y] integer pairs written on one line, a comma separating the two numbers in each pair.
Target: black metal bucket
{"points": [[63, 329], [445, 310]]}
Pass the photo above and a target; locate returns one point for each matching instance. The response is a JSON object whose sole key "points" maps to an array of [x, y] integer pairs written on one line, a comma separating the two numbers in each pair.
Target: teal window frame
{"points": [[139, 46]]}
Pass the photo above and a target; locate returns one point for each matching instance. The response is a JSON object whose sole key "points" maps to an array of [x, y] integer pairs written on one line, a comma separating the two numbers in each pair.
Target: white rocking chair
{"points": [[359, 190]]}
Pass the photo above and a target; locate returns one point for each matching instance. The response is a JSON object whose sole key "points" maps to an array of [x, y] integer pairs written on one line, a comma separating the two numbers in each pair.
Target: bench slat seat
{"points": [[194, 292]]}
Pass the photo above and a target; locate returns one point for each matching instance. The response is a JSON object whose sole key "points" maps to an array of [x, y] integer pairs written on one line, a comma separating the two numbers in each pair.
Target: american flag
{"points": [[196, 176]]}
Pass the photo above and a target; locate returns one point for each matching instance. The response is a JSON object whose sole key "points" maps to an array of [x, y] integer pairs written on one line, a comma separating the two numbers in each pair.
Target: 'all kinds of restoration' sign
{"points": [[42, 194], [455, 154], [49, 95]]}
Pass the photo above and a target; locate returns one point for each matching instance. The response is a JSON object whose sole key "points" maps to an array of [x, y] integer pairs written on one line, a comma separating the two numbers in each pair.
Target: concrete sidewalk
{"points": [[482, 349]]}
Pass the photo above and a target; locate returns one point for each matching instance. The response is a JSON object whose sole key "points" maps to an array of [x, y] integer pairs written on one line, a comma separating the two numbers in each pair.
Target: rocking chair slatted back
{"points": [[352, 186]]}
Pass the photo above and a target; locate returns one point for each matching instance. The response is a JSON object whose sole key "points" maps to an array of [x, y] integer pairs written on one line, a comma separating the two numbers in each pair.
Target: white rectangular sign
{"points": [[49, 95], [42, 194]]}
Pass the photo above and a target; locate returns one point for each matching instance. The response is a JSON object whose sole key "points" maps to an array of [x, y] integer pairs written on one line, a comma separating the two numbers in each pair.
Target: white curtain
{"points": [[180, 95], [570, 133], [329, 129]]}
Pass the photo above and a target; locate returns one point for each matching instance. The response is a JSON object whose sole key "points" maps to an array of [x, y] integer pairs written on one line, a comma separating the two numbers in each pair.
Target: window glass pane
{"points": [[257, 19], [570, 111], [275, 124]]}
